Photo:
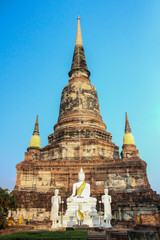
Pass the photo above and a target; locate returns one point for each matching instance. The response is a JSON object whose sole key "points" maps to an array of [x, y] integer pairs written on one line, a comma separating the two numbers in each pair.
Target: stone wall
{"points": [[126, 175], [151, 219]]}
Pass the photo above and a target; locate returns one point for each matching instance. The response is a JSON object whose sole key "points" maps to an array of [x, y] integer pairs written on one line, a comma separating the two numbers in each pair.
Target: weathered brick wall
{"points": [[151, 219], [126, 175]]}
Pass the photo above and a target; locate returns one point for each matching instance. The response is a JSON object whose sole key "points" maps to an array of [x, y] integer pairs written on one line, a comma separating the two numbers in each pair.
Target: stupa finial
{"points": [[79, 34], [127, 126], [79, 65], [36, 128]]}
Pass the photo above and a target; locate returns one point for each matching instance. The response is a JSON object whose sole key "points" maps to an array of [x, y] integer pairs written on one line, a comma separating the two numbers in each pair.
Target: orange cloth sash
{"points": [[81, 188]]}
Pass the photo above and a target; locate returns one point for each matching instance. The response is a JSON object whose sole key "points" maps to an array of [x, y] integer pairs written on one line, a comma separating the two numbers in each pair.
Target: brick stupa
{"points": [[80, 140]]}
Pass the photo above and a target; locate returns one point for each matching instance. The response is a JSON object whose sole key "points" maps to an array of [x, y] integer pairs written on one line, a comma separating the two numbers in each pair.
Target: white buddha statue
{"points": [[81, 207], [106, 200], [55, 201], [81, 189]]}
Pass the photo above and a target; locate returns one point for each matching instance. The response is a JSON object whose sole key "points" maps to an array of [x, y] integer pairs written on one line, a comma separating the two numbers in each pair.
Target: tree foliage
{"points": [[7, 202]]}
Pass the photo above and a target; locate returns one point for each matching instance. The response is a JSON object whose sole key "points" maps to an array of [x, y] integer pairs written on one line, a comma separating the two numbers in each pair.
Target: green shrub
{"points": [[7, 202]]}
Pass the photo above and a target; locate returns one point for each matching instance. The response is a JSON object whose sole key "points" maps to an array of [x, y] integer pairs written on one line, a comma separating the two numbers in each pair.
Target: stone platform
{"points": [[88, 220], [88, 208]]}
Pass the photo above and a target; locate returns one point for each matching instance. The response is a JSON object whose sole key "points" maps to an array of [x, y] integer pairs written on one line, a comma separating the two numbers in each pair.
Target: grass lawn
{"points": [[46, 235]]}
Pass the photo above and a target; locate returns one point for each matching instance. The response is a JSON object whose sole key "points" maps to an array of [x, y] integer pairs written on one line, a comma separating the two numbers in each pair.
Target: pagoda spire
{"points": [[79, 34], [127, 126], [36, 128], [79, 65], [129, 148], [128, 137], [35, 142]]}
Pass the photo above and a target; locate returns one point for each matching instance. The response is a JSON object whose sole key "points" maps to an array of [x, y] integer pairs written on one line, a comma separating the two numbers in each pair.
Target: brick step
{"points": [[96, 236], [107, 236], [118, 235]]}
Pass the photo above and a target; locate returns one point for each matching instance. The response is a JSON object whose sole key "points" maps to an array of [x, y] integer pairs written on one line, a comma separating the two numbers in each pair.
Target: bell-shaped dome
{"points": [[35, 141], [128, 139]]}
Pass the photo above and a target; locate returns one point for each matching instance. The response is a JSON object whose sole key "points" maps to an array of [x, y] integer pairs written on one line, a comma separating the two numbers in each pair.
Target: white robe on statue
{"points": [[55, 200]]}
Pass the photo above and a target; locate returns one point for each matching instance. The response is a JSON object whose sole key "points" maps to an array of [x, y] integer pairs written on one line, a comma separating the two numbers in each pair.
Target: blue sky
{"points": [[122, 46]]}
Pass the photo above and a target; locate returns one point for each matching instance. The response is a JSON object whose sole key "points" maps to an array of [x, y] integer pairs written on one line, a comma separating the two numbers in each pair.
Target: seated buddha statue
{"points": [[81, 189], [80, 203]]}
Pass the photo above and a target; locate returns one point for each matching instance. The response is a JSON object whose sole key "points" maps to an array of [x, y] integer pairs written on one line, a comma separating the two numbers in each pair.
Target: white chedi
{"points": [[106, 200], [55, 201]]}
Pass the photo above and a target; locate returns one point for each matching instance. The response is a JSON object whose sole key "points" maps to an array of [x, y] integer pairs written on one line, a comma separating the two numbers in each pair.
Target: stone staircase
{"points": [[103, 236], [122, 234]]}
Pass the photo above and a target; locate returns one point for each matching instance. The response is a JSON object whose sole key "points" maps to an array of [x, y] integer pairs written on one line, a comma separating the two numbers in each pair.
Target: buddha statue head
{"points": [[56, 192], [106, 191], [81, 175]]}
